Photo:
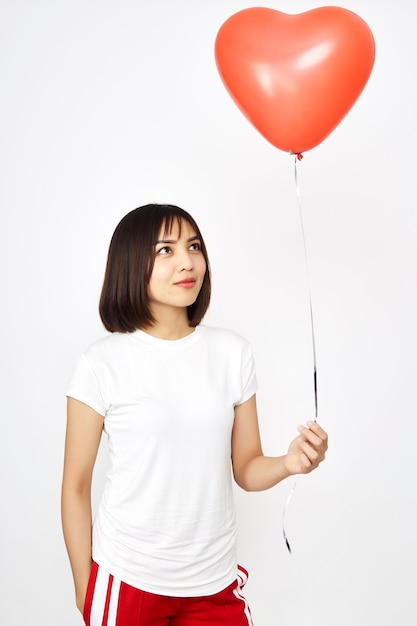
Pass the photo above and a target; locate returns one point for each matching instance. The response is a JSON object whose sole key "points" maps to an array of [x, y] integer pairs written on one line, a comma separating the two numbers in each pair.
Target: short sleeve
{"points": [[248, 375], [83, 386]]}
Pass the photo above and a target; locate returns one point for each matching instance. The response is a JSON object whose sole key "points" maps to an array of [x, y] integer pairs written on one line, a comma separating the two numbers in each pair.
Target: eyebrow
{"points": [[193, 238]]}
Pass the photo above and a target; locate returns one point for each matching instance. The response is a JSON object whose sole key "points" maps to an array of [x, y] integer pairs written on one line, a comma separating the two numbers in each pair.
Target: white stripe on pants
{"points": [[99, 598]]}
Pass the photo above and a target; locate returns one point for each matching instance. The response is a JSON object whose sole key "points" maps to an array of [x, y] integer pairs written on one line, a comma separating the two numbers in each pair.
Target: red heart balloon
{"points": [[295, 76]]}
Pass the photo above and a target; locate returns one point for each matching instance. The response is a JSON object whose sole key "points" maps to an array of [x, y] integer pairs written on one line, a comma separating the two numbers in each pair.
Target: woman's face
{"points": [[178, 271]]}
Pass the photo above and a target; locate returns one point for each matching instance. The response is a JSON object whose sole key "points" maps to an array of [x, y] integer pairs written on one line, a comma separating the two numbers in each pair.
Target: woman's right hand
{"points": [[80, 601], [81, 592]]}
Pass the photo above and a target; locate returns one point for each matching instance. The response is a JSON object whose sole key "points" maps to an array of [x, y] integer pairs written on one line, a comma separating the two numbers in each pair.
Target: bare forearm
{"points": [[256, 472], [76, 523], [261, 472]]}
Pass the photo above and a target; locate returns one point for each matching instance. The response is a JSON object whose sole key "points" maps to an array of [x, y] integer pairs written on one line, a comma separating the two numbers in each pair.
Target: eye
{"points": [[195, 247], [164, 250]]}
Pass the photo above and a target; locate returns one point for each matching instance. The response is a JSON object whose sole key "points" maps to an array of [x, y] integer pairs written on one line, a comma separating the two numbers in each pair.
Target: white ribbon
{"points": [[313, 341]]}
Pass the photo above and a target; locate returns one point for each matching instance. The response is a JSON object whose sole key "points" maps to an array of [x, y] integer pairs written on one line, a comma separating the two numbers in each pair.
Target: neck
{"points": [[170, 325]]}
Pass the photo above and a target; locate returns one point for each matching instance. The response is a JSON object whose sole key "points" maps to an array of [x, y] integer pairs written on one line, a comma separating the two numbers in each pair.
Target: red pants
{"points": [[111, 602]]}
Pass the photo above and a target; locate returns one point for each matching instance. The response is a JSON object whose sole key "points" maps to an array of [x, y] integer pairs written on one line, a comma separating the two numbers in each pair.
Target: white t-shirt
{"points": [[166, 520]]}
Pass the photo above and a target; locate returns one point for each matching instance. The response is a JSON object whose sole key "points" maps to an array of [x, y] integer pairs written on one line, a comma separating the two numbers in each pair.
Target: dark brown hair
{"points": [[124, 302]]}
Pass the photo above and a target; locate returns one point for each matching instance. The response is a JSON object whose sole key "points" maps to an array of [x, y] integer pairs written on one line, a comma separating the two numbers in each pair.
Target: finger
{"points": [[312, 455], [306, 464], [318, 430], [308, 435]]}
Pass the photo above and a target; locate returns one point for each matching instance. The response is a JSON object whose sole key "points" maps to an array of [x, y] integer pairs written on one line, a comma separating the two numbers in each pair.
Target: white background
{"points": [[109, 104]]}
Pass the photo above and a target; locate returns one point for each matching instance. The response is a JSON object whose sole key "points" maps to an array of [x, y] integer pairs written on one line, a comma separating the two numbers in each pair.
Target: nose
{"points": [[185, 261]]}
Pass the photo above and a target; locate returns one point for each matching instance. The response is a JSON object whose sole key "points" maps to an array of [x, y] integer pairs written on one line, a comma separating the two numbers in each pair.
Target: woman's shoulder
{"points": [[225, 336], [105, 344]]}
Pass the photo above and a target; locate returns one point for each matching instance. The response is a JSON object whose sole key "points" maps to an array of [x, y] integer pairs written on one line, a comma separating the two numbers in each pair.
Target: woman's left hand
{"points": [[308, 450]]}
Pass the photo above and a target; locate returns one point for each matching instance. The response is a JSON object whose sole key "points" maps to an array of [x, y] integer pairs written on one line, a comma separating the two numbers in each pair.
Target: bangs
{"points": [[168, 223]]}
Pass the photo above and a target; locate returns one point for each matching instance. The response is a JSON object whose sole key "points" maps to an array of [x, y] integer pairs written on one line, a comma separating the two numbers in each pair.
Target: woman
{"points": [[177, 402]]}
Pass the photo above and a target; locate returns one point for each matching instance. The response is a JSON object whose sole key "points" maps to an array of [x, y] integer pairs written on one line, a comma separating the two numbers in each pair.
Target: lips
{"points": [[187, 283]]}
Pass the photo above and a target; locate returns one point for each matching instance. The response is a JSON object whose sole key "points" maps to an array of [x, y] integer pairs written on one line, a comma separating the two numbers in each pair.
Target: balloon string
{"points": [[298, 157], [313, 340]]}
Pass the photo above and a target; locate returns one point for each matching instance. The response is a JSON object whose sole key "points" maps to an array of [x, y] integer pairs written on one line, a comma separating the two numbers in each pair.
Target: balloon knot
{"points": [[299, 156]]}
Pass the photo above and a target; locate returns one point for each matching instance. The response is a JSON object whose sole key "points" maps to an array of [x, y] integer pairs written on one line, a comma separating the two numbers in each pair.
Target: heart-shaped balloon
{"points": [[295, 77]]}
